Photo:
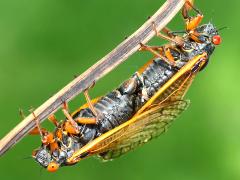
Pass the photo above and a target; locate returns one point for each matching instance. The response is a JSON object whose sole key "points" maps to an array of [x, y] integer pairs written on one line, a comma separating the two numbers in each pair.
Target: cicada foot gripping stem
{"points": [[89, 120]]}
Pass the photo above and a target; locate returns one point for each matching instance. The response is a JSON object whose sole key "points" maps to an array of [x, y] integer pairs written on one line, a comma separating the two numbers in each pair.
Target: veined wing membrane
{"points": [[176, 87], [107, 141], [171, 92], [177, 90], [150, 127], [147, 126]]}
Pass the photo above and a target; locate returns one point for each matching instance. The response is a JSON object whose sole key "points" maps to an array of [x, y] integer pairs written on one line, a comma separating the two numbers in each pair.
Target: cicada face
{"points": [[50, 161], [42, 156], [209, 37]]}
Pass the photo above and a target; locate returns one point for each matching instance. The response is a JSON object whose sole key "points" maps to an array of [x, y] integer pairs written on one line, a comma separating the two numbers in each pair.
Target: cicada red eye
{"points": [[53, 166], [216, 40]]}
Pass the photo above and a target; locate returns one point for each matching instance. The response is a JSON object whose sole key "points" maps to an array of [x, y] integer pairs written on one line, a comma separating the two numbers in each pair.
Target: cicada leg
{"points": [[34, 131], [153, 50], [88, 120], [178, 89], [168, 32], [174, 39], [47, 137], [37, 129], [164, 51], [70, 125], [191, 22], [86, 94], [53, 120]]}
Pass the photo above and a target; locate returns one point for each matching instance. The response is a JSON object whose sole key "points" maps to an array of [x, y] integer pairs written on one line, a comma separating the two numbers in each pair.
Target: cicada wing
{"points": [[175, 91], [178, 89], [147, 126], [168, 98]]}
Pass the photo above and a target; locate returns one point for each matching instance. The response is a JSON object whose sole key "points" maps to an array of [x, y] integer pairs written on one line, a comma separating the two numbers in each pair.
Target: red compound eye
{"points": [[216, 40], [52, 167]]}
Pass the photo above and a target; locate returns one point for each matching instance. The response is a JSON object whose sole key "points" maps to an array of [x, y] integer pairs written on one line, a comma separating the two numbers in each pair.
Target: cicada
{"points": [[140, 109]]}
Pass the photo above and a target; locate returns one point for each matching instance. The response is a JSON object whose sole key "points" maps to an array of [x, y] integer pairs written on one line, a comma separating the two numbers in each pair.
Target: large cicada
{"points": [[140, 109]]}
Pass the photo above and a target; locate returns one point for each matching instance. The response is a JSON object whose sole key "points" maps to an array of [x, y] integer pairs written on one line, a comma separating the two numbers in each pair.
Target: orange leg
{"points": [[90, 102], [71, 126], [54, 146], [169, 55], [36, 131], [159, 49], [88, 120], [174, 39], [168, 32], [153, 51], [191, 22], [53, 119], [46, 137], [37, 126]]}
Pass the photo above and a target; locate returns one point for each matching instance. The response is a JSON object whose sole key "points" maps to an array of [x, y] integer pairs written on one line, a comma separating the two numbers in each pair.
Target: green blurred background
{"points": [[44, 43]]}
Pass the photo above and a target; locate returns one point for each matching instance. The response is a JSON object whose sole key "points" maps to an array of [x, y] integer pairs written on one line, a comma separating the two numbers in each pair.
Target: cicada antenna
{"points": [[221, 28], [41, 171], [27, 157]]}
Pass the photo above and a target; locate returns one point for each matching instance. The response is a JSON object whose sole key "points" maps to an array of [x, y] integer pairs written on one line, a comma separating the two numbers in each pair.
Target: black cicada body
{"points": [[140, 109]]}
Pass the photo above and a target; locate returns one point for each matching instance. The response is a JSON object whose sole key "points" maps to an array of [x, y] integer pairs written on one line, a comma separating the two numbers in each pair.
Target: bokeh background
{"points": [[43, 44]]}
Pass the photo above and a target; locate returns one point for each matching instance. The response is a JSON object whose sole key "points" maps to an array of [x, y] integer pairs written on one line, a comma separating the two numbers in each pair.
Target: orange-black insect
{"points": [[139, 109]]}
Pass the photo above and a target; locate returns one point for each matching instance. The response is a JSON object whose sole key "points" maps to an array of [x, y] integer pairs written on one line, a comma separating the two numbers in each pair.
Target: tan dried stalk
{"points": [[161, 18]]}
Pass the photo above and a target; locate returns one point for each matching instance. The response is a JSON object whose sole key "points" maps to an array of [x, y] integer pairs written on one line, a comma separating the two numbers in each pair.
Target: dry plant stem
{"points": [[95, 72]]}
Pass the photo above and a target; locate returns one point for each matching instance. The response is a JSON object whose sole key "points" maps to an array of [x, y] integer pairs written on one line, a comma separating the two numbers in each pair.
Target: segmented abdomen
{"points": [[155, 75], [121, 104], [113, 109]]}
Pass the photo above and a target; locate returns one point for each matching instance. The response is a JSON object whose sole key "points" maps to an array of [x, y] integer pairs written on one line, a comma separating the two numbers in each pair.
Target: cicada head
{"points": [[48, 160], [42, 156], [207, 34], [52, 158]]}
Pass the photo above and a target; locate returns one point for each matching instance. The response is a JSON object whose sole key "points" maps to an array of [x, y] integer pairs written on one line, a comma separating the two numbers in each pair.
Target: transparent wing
{"points": [[177, 90], [148, 123], [147, 126]]}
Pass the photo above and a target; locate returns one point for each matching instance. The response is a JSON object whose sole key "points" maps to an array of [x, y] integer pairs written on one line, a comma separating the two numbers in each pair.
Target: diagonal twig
{"points": [[163, 16]]}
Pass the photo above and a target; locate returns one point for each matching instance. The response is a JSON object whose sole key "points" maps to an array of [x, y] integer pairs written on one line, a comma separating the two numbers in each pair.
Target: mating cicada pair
{"points": [[140, 109]]}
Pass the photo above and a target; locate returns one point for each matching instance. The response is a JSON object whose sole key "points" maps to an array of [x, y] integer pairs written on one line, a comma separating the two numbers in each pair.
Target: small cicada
{"points": [[140, 109]]}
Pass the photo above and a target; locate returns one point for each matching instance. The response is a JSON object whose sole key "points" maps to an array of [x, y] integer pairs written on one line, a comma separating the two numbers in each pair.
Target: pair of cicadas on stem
{"points": [[141, 108]]}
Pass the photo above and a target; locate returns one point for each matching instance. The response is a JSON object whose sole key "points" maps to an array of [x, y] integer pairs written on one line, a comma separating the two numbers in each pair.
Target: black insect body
{"points": [[120, 105]]}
